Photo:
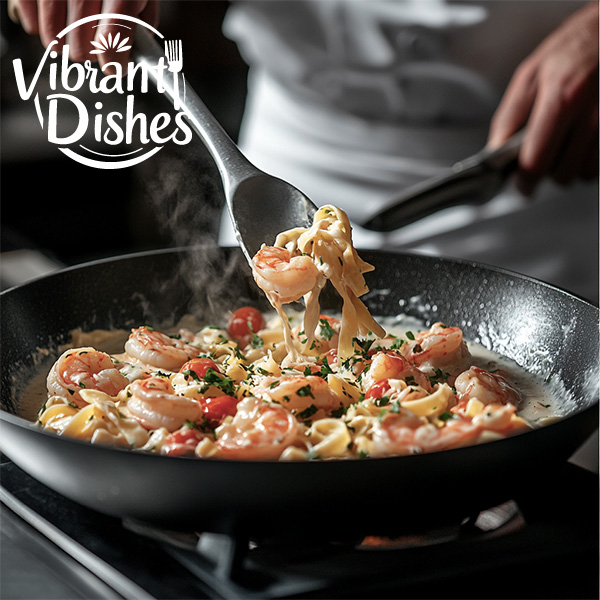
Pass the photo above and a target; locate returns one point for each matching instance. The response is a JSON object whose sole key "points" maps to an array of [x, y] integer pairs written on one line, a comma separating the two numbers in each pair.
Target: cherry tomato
{"points": [[217, 408], [244, 322], [200, 366], [331, 356], [182, 442], [378, 390]]}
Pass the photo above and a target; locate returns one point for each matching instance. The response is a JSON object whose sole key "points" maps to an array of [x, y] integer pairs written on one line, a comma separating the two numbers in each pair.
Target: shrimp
{"points": [[157, 349], [259, 431], [488, 388], [300, 395], [439, 347], [84, 368], [154, 405], [390, 365], [394, 389], [499, 417], [402, 432], [282, 276], [182, 442]]}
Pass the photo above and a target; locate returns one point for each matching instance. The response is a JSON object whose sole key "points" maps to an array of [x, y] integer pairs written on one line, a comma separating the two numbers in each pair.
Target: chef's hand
{"points": [[47, 18], [554, 95]]}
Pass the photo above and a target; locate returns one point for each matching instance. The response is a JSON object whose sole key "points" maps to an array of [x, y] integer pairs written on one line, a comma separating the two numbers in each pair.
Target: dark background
{"points": [[73, 213]]}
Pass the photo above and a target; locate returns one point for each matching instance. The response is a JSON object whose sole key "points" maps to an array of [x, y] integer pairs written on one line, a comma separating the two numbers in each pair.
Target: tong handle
{"points": [[474, 180], [499, 158]]}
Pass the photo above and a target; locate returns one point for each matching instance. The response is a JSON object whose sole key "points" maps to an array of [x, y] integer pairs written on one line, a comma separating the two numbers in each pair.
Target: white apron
{"points": [[352, 101]]}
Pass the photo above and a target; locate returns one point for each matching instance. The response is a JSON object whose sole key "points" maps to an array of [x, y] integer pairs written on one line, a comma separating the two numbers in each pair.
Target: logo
{"points": [[92, 115]]}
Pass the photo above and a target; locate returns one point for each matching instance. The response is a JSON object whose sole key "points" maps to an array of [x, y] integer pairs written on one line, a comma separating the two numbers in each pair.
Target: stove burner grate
{"points": [[550, 530]]}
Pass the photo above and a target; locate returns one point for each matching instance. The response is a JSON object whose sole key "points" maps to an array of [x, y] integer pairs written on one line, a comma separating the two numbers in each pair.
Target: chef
{"points": [[353, 101]]}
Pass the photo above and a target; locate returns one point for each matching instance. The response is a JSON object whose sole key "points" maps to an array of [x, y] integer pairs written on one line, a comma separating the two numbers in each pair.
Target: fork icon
{"points": [[174, 54]]}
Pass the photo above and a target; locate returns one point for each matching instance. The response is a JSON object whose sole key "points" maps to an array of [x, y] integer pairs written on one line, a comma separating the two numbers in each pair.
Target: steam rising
{"points": [[181, 204]]}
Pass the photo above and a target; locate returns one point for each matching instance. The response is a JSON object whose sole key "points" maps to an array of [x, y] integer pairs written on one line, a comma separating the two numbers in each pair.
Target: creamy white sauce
{"points": [[538, 406]]}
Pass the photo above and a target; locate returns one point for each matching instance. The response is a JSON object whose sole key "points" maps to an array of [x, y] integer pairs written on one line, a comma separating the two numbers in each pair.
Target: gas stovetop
{"points": [[542, 544]]}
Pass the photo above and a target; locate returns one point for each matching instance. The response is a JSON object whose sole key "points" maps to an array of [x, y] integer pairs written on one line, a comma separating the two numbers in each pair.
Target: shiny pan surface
{"points": [[544, 329]]}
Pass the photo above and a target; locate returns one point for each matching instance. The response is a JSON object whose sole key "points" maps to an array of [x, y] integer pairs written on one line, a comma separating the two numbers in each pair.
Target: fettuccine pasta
{"points": [[287, 386]]}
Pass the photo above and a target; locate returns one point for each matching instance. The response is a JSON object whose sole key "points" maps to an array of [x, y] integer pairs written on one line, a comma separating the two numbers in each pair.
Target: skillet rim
{"points": [[585, 413], [408, 253], [22, 422]]}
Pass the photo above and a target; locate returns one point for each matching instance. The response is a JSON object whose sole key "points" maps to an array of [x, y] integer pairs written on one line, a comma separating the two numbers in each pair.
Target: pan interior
{"points": [[550, 333], [545, 330]]}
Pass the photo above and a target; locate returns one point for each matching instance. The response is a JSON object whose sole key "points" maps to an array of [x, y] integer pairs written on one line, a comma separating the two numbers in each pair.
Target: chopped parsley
{"points": [[397, 344], [383, 401], [304, 391], [307, 413], [339, 412], [191, 373], [394, 408], [225, 384], [364, 346], [438, 376], [327, 331], [256, 341], [323, 372], [312, 455], [446, 416]]}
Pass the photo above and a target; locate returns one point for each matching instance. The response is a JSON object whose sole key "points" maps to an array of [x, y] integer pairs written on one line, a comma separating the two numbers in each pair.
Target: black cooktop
{"points": [[543, 544]]}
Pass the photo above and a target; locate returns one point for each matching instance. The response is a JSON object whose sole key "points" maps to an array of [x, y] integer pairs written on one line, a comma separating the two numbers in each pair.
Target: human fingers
{"points": [[561, 140], [547, 93], [590, 166], [547, 132], [119, 54], [567, 94], [24, 12], [151, 13], [591, 163], [52, 18], [80, 38], [545, 135], [515, 106], [526, 183], [573, 161], [512, 115]]}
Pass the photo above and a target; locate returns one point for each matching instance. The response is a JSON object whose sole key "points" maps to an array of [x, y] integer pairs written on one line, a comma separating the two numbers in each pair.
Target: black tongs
{"points": [[474, 180]]}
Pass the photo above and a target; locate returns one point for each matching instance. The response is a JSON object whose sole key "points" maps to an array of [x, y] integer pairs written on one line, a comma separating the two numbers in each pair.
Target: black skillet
{"points": [[548, 331]]}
